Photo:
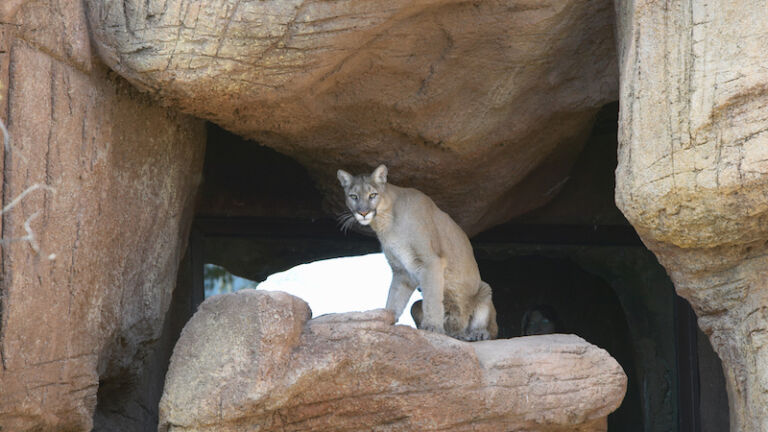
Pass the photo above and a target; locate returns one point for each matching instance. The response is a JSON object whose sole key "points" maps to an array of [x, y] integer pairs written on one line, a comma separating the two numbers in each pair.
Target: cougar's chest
{"points": [[402, 256]]}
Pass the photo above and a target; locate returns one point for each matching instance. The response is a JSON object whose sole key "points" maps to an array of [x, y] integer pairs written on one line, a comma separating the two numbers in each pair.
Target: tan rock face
{"points": [[110, 178], [482, 105], [252, 360], [693, 171]]}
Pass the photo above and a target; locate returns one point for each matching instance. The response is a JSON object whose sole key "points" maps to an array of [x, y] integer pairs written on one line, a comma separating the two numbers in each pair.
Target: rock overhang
{"points": [[464, 101]]}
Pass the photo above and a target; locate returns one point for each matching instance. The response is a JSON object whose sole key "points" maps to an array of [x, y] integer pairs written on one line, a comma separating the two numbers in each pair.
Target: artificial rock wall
{"points": [[90, 252], [482, 105], [693, 171], [456, 96]]}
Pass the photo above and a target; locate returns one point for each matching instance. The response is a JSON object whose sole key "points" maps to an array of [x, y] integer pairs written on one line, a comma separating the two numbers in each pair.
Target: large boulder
{"points": [[254, 360], [482, 105], [693, 171], [98, 185]]}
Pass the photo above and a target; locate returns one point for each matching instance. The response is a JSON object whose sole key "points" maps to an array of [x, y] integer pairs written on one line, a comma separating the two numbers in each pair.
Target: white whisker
{"points": [[345, 221]]}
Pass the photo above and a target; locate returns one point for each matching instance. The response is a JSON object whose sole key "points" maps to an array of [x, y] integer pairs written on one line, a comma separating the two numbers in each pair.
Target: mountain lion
{"points": [[426, 249]]}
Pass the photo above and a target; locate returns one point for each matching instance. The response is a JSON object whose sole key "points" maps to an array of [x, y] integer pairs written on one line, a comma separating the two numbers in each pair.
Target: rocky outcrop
{"points": [[98, 183], [482, 105], [252, 360], [693, 171]]}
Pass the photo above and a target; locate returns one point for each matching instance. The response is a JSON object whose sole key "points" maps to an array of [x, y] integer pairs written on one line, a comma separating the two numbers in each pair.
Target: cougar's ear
{"points": [[380, 174], [345, 178]]}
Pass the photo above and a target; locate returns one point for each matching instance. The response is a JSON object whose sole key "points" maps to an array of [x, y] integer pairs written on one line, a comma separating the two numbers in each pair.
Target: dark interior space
{"points": [[584, 304], [258, 213], [712, 398], [244, 179], [609, 290]]}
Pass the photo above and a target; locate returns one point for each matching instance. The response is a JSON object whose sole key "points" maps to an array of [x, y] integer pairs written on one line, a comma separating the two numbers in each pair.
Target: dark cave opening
{"points": [[259, 213], [581, 303]]}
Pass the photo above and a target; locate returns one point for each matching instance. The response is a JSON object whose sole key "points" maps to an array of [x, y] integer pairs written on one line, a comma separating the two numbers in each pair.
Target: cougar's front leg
{"points": [[400, 291], [432, 285]]}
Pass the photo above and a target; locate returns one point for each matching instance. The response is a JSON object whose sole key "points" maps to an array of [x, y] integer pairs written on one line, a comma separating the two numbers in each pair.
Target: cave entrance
{"points": [[259, 213], [601, 281]]}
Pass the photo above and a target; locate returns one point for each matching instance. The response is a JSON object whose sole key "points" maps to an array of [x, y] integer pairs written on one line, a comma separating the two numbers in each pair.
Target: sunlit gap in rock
{"points": [[356, 283]]}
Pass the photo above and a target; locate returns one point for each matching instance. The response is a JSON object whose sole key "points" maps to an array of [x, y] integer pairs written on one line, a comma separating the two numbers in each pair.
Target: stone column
{"points": [[97, 190], [693, 171]]}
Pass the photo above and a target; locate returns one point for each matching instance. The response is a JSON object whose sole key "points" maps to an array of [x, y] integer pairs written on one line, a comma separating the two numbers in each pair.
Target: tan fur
{"points": [[427, 249]]}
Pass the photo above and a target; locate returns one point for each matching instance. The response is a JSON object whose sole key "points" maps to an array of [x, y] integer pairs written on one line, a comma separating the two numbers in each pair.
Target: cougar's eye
{"points": [[372, 196], [353, 197]]}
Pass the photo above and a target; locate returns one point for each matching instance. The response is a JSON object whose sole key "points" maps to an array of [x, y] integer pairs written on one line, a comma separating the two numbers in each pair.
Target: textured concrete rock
{"points": [[109, 177], [693, 171], [482, 105], [251, 360]]}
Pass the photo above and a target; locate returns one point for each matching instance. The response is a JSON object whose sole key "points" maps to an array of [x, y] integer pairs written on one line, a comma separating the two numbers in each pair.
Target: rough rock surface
{"points": [[482, 105], [110, 177], [251, 360], [693, 171]]}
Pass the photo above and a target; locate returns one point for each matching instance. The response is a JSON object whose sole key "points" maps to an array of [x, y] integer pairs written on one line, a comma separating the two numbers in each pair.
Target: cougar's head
{"points": [[364, 192]]}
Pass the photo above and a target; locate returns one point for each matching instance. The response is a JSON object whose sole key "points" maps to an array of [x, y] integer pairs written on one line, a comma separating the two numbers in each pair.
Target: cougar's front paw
{"points": [[433, 328]]}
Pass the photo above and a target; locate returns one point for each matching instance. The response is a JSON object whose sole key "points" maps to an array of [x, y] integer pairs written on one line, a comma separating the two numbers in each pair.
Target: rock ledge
{"points": [[254, 360]]}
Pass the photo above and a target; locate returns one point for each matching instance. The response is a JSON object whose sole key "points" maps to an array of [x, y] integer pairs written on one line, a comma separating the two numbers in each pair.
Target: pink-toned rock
{"points": [[481, 105], [110, 177], [251, 360]]}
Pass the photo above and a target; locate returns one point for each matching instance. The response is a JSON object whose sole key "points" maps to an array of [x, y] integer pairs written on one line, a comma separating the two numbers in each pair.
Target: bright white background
{"points": [[347, 284]]}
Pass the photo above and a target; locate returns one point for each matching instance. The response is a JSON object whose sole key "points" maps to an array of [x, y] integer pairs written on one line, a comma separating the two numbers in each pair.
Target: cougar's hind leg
{"points": [[417, 313]]}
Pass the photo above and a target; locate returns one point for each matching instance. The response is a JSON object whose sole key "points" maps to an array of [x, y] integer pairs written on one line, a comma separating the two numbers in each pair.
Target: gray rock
{"points": [[693, 171]]}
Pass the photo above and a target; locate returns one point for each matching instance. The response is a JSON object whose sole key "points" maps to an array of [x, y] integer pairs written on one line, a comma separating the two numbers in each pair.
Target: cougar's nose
{"points": [[364, 213]]}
